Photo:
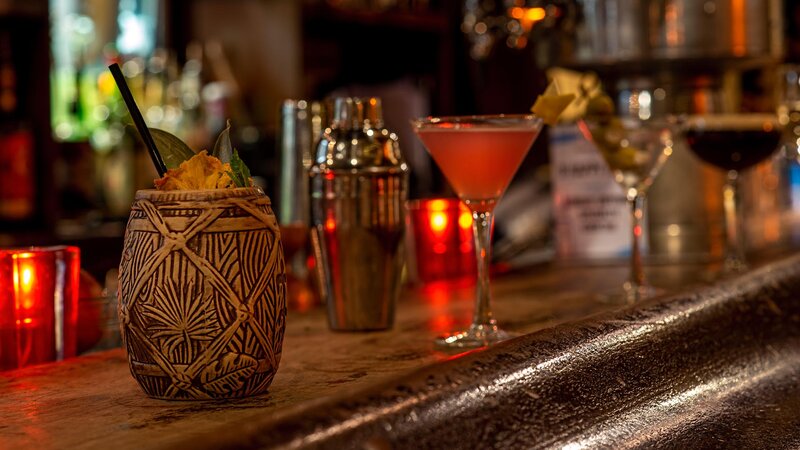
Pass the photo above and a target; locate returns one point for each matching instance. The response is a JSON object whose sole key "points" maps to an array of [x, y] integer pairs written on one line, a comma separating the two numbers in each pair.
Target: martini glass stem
{"points": [[734, 253], [636, 280], [482, 222]]}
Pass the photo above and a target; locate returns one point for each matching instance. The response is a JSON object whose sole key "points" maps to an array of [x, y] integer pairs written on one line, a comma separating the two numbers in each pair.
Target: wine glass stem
{"points": [[637, 213], [482, 222], [734, 254]]}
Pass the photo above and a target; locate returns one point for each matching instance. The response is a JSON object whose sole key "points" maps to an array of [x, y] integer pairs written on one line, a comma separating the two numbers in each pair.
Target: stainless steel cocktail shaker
{"points": [[359, 185]]}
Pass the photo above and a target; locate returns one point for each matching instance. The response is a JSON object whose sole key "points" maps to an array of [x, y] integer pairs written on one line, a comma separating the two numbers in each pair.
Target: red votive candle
{"points": [[442, 239], [38, 305]]}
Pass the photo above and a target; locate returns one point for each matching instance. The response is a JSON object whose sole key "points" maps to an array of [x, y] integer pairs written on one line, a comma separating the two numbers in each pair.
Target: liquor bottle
{"points": [[17, 170]]}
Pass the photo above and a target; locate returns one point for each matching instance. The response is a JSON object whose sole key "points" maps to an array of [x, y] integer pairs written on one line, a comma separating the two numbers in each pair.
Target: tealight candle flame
{"points": [[27, 277], [465, 220], [438, 222]]}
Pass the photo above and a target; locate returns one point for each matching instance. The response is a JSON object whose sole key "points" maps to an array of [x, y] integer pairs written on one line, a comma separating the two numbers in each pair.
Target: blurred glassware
{"points": [[295, 145], [90, 299], [733, 142], [296, 137], [98, 323], [635, 150], [789, 107], [788, 101]]}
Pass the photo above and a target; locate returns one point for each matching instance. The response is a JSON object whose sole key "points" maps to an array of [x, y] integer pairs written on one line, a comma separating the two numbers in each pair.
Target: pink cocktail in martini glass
{"points": [[479, 155]]}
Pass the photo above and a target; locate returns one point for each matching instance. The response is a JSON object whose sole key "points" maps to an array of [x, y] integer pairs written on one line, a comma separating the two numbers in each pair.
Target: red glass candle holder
{"points": [[441, 231], [38, 305]]}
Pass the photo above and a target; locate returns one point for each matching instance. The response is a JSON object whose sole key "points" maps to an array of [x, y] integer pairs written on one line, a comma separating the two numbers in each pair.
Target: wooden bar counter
{"points": [[93, 402]]}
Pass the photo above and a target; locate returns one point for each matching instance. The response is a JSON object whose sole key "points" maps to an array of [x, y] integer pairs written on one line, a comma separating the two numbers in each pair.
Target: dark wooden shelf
{"points": [[343, 47], [422, 21], [23, 8]]}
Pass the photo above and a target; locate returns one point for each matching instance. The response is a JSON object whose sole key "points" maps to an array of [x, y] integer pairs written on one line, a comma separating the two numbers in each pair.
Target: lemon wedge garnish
{"points": [[549, 108], [551, 104]]}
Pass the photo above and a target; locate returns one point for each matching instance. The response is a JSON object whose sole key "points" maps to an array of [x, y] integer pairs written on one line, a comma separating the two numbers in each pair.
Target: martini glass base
{"points": [[629, 294], [476, 336]]}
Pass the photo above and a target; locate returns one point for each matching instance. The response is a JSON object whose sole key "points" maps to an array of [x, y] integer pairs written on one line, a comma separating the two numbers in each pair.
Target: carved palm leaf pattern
{"points": [[254, 247], [228, 374], [138, 248], [204, 296], [221, 250], [178, 317]]}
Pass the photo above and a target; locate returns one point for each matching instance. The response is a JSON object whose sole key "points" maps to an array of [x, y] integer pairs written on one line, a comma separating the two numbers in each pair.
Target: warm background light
{"points": [[529, 14], [527, 17]]}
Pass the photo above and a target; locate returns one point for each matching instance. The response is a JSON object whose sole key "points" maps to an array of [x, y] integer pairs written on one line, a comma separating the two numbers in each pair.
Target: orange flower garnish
{"points": [[199, 172]]}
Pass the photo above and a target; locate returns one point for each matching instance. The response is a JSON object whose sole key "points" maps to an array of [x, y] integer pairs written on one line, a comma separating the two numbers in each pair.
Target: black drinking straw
{"points": [[136, 115]]}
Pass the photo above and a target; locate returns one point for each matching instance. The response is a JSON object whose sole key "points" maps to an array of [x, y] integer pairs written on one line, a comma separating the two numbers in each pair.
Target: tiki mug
{"points": [[202, 293]]}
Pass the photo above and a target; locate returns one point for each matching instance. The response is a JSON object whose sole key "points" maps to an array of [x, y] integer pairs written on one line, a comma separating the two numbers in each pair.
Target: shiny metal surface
{"points": [[712, 368], [614, 31], [359, 184], [690, 28]]}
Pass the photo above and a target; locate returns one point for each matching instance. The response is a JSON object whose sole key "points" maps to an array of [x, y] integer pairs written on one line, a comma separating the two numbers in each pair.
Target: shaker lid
{"points": [[348, 113], [356, 139]]}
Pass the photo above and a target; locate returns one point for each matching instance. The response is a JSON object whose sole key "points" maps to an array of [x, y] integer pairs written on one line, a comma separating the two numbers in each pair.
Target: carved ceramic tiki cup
{"points": [[202, 293]]}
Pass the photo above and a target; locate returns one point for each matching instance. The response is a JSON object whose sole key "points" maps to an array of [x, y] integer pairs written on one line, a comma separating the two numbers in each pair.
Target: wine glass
{"points": [[634, 150], [733, 142], [479, 155]]}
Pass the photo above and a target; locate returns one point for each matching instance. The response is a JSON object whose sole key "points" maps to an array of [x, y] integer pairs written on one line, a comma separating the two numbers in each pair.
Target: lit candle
{"points": [[24, 275], [438, 221], [442, 231], [38, 309]]}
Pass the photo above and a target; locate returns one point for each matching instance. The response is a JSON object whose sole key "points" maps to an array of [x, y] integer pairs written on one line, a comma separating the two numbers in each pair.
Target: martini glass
{"points": [[479, 155], [634, 150], [733, 142]]}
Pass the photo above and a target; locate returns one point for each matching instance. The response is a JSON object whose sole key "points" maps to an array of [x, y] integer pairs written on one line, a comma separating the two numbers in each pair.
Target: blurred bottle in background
{"points": [[17, 168]]}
